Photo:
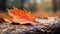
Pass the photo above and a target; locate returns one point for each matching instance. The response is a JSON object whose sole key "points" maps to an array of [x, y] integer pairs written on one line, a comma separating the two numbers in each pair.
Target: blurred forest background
{"points": [[31, 5], [39, 8]]}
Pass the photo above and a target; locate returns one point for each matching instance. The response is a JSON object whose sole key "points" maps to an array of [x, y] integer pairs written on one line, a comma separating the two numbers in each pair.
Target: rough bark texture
{"points": [[37, 28]]}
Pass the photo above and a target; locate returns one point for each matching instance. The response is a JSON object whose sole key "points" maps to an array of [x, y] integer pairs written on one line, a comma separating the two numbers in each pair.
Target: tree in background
{"points": [[22, 4], [54, 6], [2, 5]]}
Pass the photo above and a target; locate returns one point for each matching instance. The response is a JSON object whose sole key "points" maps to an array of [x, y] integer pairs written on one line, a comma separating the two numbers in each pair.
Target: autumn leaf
{"points": [[21, 15]]}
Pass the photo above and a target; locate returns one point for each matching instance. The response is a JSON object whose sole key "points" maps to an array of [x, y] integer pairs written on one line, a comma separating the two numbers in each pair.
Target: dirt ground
{"points": [[35, 14], [46, 14]]}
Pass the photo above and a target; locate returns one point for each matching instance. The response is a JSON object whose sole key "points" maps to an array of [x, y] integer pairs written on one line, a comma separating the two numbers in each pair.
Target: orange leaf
{"points": [[18, 14]]}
